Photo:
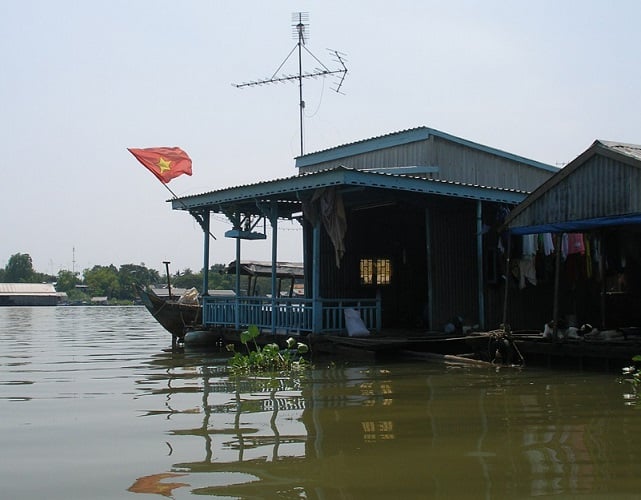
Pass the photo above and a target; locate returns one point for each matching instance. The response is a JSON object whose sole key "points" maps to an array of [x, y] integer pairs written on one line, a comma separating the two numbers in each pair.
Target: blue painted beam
{"points": [[290, 191]]}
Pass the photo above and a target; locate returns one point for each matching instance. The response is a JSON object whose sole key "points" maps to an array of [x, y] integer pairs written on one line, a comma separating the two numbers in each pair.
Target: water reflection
{"points": [[239, 422], [394, 430]]}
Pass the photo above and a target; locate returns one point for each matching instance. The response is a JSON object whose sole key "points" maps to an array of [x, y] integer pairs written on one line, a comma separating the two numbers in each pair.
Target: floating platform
{"points": [[378, 345], [608, 355]]}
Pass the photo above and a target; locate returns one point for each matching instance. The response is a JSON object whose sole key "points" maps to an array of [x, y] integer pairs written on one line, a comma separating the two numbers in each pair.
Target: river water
{"points": [[94, 405]]}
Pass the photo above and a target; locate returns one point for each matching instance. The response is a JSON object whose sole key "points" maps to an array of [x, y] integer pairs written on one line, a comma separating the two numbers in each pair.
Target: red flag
{"points": [[164, 163]]}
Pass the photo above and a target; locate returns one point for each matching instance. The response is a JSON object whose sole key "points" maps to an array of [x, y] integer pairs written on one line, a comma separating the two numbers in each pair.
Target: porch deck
{"points": [[322, 323]]}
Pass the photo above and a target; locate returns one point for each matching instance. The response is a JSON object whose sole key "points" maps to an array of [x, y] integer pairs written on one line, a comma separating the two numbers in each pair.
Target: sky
{"points": [[80, 82]]}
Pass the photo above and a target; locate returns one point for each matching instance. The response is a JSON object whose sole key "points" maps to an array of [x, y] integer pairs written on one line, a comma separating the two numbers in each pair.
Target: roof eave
{"points": [[598, 147], [345, 177]]}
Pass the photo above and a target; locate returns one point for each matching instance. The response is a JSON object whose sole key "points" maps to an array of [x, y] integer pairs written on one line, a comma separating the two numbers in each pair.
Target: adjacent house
{"points": [[590, 211], [29, 294]]}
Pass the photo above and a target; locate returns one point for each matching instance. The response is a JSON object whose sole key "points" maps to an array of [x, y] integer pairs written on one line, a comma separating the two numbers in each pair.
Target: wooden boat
{"points": [[174, 315], [179, 316]]}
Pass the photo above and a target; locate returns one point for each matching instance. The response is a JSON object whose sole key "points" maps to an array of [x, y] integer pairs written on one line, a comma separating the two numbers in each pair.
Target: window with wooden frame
{"points": [[376, 271]]}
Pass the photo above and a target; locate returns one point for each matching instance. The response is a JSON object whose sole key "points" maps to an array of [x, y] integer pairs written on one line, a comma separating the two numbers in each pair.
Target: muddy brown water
{"points": [[94, 405]]}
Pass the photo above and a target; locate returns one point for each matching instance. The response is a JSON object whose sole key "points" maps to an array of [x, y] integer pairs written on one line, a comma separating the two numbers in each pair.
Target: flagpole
{"points": [[162, 169], [181, 202]]}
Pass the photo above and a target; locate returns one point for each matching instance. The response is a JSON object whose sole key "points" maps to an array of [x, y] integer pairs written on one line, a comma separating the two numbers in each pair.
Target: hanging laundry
{"points": [[529, 245], [575, 243], [501, 214], [531, 263], [548, 244], [527, 272]]}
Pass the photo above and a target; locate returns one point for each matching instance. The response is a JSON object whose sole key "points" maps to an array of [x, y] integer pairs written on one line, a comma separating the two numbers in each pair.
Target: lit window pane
{"points": [[383, 271], [367, 271], [375, 271]]}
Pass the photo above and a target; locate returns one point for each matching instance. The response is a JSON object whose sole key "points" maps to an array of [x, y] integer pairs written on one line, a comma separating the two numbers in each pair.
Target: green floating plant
{"points": [[267, 359]]}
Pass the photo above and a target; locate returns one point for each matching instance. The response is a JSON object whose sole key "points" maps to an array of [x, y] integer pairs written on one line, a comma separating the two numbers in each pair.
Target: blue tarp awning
{"points": [[578, 226]]}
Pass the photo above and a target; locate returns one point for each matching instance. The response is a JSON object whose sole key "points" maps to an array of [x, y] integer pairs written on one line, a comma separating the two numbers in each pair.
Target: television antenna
{"points": [[300, 32]]}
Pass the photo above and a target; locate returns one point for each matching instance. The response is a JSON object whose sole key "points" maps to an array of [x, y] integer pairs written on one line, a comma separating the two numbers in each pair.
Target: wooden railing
{"points": [[288, 315]]}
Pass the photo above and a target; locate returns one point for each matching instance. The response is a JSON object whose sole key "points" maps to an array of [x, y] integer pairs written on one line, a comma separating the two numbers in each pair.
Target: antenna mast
{"points": [[300, 31]]}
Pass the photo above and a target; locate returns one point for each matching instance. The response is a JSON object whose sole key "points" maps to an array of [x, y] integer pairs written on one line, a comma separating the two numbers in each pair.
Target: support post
{"points": [[428, 264], [508, 253], [205, 291], [237, 287], [317, 318], [273, 219], [557, 275], [479, 262], [602, 278]]}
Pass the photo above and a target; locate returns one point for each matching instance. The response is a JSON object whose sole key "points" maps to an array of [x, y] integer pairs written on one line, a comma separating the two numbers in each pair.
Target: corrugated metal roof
{"points": [[405, 137], [631, 150], [179, 292], [597, 187], [27, 289], [292, 189], [264, 268]]}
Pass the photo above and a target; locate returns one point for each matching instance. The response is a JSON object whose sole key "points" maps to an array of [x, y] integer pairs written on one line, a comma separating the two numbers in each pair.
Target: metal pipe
{"points": [[166, 262]]}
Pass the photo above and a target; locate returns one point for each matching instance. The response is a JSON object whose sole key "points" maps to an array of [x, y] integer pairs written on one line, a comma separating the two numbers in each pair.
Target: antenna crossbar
{"points": [[286, 78]]}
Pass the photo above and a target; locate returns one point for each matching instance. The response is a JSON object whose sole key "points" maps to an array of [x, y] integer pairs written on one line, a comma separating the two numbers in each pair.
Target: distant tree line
{"points": [[117, 284]]}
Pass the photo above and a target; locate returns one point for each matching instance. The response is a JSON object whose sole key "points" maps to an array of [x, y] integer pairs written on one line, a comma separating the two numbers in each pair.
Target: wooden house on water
{"points": [[596, 199], [401, 227], [590, 212]]}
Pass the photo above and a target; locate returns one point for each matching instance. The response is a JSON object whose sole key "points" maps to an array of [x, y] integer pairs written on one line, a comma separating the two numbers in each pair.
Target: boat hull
{"points": [[203, 338], [175, 317]]}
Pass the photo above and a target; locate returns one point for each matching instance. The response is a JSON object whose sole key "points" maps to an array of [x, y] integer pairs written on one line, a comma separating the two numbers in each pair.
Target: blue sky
{"points": [[82, 81]]}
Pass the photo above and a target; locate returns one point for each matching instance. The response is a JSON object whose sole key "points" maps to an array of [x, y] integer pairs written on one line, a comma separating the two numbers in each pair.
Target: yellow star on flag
{"points": [[164, 165]]}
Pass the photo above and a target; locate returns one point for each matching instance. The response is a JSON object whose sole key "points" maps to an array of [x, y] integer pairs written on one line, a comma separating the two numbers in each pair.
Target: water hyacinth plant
{"points": [[268, 359]]}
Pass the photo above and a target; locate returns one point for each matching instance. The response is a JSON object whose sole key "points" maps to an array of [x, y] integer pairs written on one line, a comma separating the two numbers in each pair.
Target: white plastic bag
{"points": [[354, 324]]}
